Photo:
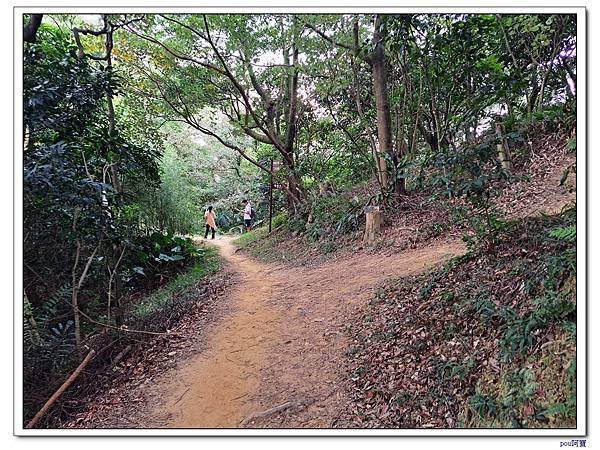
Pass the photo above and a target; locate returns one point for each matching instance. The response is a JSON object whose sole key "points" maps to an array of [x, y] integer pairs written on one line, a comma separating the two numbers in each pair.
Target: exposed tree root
{"points": [[274, 410]]}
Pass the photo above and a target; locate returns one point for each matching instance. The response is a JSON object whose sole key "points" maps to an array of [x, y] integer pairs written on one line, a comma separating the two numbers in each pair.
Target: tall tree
{"points": [[374, 55], [236, 59]]}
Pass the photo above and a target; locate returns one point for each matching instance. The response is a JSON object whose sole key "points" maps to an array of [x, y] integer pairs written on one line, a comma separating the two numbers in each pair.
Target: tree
{"points": [[376, 59], [221, 55], [537, 48], [31, 27]]}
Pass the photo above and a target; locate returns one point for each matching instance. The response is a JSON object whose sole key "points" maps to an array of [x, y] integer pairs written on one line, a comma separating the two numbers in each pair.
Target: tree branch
{"points": [[175, 53], [189, 119], [329, 39], [269, 130]]}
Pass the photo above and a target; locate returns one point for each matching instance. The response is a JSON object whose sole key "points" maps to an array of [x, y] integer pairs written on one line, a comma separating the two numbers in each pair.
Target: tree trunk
{"points": [[384, 119], [378, 169], [114, 169], [295, 193], [111, 108], [571, 75], [30, 30], [531, 99]]}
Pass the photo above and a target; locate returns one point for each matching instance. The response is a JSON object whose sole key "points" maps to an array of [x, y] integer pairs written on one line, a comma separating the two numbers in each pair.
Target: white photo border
{"points": [[310, 7]]}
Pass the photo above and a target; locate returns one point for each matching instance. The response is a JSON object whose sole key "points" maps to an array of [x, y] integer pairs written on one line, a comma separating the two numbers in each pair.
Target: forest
{"points": [[412, 258]]}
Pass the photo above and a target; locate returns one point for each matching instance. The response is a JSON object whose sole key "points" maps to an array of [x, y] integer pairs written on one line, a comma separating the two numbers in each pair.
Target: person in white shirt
{"points": [[248, 213]]}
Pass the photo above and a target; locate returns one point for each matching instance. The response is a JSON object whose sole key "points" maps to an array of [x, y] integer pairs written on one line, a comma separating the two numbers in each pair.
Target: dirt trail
{"points": [[210, 391], [282, 342]]}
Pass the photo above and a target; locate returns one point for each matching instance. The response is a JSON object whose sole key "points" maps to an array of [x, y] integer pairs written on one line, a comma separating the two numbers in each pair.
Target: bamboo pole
{"points": [[503, 151], [42, 412], [271, 196]]}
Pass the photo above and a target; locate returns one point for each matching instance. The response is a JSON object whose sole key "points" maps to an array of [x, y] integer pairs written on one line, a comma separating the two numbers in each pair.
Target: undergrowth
{"points": [[249, 238], [158, 299], [155, 312], [284, 244], [486, 341]]}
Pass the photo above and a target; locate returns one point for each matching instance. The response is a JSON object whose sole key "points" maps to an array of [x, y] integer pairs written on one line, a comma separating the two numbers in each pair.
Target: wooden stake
{"points": [[374, 221], [42, 412]]}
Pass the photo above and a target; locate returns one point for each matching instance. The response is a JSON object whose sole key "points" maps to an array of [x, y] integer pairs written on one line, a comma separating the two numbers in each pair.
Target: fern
{"points": [[48, 310], [38, 330], [31, 336], [567, 234], [61, 339]]}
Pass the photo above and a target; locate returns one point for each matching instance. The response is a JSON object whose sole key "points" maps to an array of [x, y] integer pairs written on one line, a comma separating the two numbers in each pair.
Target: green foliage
{"points": [[484, 406], [517, 392], [567, 234], [296, 224], [69, 196], [520, 387], [472, 175], [279, 220], [197, 172], [46, 312], [72, 206], [571, 328], [555, 302], [248, 238], [126, 193], [159, 255], [517, 389], [454, 369], [333, 216], [486, 308], [521, 332], [49, 342], [208, 263], [503, 307], [61, 93], [554, 114]]}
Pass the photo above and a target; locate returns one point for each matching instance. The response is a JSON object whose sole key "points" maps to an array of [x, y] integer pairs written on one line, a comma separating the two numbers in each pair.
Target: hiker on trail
{"points": [[248, 215], [210, 217]]}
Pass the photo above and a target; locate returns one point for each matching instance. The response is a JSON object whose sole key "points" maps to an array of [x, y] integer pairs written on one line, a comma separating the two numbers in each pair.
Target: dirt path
{"points": [[281, 345], [211, 390]]}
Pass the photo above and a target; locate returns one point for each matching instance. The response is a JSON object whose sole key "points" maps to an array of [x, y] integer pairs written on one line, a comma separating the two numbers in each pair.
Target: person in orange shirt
{"points": [[210, 217]]}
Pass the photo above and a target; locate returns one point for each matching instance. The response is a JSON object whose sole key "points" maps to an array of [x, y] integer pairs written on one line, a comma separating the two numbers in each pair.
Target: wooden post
{"points": [[374, 221], [503, 152], [271, 196]]}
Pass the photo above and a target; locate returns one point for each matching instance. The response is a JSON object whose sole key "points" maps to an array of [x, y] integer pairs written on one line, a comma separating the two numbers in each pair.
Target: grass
{"points": [[208, 264], [278, 246], [246, 240], [249, 238], [283, 245]]}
